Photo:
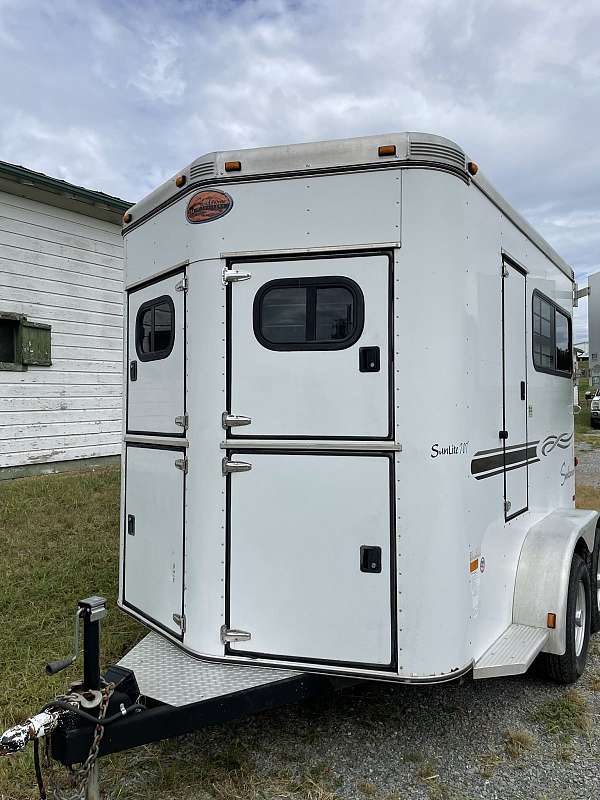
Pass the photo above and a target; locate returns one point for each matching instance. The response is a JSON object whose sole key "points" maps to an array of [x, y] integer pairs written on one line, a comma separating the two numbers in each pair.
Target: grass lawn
{"points": [[58, 543]]}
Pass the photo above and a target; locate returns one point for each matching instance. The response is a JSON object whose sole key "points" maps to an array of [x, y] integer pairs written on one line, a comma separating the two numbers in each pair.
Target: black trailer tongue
{"points": [[155, 692]]}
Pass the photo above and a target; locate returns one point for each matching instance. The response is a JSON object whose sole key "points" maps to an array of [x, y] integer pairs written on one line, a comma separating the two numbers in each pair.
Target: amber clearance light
{"points": [[233, 166], [473, 167], [180, 181], [127, 217], [387, 150]]}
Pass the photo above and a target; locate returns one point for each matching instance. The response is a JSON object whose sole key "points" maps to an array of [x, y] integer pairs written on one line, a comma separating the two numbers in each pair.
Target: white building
{"points": [[594, 327], [61, 282]]}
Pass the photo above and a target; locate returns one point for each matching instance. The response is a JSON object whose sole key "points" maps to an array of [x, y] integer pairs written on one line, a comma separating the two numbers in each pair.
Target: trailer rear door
{"points": [[156, 357], [309, 348], [153, 534], [310, 574]]}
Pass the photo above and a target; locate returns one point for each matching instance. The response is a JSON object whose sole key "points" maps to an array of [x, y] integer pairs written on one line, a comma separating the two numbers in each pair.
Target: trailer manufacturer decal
{"points": [[458, 449], [208, 205], [563, 441]]}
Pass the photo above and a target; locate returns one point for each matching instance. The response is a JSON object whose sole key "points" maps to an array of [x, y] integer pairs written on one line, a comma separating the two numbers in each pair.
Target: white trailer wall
{"points": [[65, 269]]}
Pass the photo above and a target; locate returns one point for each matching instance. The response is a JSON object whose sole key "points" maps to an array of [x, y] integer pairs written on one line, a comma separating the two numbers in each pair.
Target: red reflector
{"points": [[576, 461]]}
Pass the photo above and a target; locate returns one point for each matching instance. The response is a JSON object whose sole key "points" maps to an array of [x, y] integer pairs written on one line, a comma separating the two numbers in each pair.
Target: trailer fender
{"points": [[543, 571]]}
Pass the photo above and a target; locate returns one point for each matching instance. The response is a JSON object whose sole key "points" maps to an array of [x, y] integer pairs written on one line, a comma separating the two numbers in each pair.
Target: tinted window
{"points": [[309, 313], [155, 329], [335, 314], [284, 315], [563, 344], [552, 344]]}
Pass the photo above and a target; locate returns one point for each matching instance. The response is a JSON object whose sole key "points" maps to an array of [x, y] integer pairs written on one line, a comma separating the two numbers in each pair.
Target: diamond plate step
{"points": [[166, 673], [512, 653]]}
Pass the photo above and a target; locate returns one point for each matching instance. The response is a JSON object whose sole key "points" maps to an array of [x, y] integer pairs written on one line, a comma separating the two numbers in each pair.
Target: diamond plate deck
{"points": [[512, 653], [167, 674]]}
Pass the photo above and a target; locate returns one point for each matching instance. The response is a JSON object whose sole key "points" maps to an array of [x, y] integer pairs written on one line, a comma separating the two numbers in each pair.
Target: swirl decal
{"points": [[563, 440]]}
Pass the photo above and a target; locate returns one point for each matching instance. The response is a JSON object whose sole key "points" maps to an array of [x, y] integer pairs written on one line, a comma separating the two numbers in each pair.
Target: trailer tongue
{"points": [[155, 692]]}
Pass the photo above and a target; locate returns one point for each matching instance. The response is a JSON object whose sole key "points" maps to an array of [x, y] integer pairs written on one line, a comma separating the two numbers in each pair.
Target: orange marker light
{"points": [[180, 180], [387, 150], [127, 217], [551, 620], [473, 168], [474, 565], [233, 166]]}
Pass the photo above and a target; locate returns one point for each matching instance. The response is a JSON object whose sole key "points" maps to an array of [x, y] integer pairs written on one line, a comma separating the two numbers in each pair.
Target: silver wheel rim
{"points": [[580, 611]]}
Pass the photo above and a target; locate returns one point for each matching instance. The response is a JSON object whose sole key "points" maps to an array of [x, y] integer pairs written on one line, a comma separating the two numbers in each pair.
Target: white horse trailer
{"points": [[349, 420]]}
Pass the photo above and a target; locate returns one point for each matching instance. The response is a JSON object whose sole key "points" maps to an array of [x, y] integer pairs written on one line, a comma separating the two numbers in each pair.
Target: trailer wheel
{"points": [[595, 581], [569, 667]]}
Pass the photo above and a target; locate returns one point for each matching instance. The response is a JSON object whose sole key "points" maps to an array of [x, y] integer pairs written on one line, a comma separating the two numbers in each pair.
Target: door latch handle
{"points": [[133, 370], [522, 390], [131, 524], [503, 435], [370, 558]]}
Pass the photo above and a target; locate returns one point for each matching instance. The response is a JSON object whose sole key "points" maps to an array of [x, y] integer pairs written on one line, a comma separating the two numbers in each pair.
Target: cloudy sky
{"points": [[118, 95]]}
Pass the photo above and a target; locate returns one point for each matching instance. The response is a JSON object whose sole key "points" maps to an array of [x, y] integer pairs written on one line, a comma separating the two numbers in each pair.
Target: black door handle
{"points": [[369, 359], [522, 390], [370, 558], [133, 370], [131, 524]]}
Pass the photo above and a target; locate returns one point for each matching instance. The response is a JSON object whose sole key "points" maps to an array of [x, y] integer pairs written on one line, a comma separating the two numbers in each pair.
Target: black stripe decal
{"points": [[502, 449], [501, 460], [508, 469]]}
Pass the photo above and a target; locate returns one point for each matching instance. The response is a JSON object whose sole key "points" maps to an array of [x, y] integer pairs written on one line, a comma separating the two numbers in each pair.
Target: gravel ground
{"points": [[588, 470], [392, 742]]}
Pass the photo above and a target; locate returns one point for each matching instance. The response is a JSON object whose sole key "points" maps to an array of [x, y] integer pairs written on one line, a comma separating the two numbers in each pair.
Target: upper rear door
{"points": [[310, 349], [156, 358]]}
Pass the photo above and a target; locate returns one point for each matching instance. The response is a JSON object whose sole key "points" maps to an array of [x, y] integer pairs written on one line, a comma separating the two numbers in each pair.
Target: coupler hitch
{"points": [[89, 706]]}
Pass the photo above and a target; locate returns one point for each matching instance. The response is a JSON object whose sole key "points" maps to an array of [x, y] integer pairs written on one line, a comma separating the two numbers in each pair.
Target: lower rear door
{"points": [[310, 555], [154, 531]]}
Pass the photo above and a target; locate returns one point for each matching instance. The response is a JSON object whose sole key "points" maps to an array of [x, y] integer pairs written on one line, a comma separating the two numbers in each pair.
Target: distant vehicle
{"points": [[595, 410]]}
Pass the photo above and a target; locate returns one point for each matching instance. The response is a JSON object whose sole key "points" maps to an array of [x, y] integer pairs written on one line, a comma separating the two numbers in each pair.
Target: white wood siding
{"points": [[64, 269]]}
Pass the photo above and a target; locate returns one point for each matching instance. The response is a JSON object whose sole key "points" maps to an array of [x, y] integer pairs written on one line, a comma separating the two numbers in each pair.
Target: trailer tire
{"points": [[595, 585], [569, 667]]}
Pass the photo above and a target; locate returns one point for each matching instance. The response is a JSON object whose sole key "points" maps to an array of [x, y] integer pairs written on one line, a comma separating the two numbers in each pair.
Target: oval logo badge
{"points": [[208, 205]]}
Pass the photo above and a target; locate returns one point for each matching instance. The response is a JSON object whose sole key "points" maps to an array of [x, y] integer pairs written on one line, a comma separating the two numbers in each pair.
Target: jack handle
{"points": [[53, 667]]}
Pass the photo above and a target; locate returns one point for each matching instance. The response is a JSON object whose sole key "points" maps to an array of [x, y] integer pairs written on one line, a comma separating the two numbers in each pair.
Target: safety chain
{"points": [[79, 777]]}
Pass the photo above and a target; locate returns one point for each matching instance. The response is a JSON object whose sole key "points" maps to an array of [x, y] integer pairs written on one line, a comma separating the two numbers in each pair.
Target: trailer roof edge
{"points": [[482, 183], [277, 162]]}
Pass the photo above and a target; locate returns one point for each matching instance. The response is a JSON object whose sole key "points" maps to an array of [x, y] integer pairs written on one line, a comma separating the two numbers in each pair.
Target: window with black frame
{"points": [[155, 329], [309, 313], [552, 338]]}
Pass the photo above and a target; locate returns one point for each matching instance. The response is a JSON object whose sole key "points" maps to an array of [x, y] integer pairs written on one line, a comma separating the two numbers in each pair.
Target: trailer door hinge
{"points": [[179, 619], [234, 466], [182, 286], [232, 635], [182, 421], [233, 420], [182, 464], [235, 275]]}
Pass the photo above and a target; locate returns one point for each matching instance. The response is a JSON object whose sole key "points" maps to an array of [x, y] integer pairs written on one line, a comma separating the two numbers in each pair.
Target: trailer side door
{"points": [[514, 353]]}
